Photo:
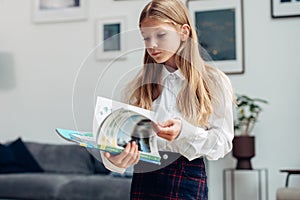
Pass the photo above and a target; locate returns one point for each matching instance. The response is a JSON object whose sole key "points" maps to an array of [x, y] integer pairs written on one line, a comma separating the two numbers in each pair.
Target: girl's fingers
{"points": [[131, 155], [166, 130], [167, 123], [169, 137], [170, 129], [123, 154], [137, 157], [107, 155], [118, 159]]}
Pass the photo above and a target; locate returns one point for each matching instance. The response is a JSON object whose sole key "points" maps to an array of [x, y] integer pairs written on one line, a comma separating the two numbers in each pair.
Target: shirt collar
{"points": [[166, 73]]}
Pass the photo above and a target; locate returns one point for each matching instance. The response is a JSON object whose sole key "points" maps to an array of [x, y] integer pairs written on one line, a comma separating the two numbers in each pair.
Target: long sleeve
{"points": [[213, 143]]}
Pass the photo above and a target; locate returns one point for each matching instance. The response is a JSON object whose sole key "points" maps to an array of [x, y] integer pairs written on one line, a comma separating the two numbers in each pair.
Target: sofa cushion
{"points": [[48, 186], [16, 158], [59, 158], [288, 193], [33, 186], [96, 187]]}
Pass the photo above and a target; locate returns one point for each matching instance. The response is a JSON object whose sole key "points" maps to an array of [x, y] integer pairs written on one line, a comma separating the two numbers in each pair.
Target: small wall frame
{"points": [[285, 8], [109, 38], [47, 11]]}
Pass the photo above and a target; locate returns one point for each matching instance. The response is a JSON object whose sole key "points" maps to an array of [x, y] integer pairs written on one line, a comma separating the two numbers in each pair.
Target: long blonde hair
{"points": [[196, 99]]}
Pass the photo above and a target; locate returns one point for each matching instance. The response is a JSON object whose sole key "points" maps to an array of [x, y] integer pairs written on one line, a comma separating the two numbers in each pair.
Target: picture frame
{"points": [[219, 26], [109, 38], [47, 11], [285, 8]]}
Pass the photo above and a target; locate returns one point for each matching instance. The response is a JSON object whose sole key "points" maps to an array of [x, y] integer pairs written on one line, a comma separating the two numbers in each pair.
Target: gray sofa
{"points": [[67, 172]]}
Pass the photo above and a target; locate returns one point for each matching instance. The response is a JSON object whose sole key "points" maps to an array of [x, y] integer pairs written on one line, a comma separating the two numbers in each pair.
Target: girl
{"points": [[195, 99]]}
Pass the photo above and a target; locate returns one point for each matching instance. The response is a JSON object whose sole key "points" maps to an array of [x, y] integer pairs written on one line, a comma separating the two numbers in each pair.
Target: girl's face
{"points": [[162, 40]]}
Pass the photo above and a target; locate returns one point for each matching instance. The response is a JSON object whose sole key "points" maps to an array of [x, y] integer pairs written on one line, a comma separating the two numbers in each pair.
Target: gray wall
{"points": [[39, 64]]}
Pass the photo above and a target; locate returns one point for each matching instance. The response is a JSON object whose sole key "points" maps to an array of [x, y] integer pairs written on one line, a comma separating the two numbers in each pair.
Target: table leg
{"points": [[259, 185], [232, 184]]}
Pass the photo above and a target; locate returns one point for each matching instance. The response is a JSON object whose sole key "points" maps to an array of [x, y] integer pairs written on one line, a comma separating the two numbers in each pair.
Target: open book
{"points": [[116, 124]]}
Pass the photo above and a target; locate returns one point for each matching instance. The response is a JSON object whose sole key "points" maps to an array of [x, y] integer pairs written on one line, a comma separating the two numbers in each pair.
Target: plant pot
{"points": [[243, 150]]}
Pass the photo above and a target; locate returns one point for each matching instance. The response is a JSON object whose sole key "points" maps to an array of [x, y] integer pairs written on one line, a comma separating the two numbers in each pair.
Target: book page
{"points": [[118, 123], [105, 107]]}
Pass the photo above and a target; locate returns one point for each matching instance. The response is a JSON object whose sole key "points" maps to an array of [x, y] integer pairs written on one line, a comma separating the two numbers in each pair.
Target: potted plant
{"points": [[247, 113]]}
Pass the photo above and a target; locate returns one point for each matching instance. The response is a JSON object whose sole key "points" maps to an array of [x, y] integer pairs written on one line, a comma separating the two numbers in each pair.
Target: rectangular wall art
{"points": [[219, 25], [109, 38], [45, 11], [285, 8]]}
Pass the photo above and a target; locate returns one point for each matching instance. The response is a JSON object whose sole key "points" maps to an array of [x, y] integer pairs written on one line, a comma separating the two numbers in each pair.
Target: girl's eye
{"points": [[146, 39], [161, 35]]}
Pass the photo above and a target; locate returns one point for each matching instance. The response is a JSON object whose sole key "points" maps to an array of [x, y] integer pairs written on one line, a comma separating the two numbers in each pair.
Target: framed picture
{"points": [[109, 38], [285, 8], [219, 25], [59, 10]]}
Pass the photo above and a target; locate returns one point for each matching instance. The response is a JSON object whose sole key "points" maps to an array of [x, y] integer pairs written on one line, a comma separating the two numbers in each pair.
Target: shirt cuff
{"points": [[188, 130], [187, 135]]}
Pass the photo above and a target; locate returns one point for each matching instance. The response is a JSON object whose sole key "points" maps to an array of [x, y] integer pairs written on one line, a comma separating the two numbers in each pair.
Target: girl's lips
{"points": [[155, 53]]}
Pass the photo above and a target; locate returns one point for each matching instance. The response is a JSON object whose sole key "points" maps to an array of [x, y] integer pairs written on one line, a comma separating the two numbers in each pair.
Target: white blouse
{"points": [[212, 142]]}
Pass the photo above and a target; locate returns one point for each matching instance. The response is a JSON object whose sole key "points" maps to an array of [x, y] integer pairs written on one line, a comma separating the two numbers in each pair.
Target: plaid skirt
{"points": [[181, 180]]}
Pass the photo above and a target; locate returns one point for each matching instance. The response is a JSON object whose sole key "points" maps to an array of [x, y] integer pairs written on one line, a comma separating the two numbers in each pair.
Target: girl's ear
{"points": [[185, 32]]}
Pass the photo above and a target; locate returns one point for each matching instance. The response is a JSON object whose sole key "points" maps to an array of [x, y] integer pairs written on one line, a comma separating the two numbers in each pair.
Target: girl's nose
{"points": [[153, 44]]}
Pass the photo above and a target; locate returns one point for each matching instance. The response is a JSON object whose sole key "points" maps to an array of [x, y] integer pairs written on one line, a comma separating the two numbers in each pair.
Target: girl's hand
{"points": [[129, 156], [168, 130]]}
